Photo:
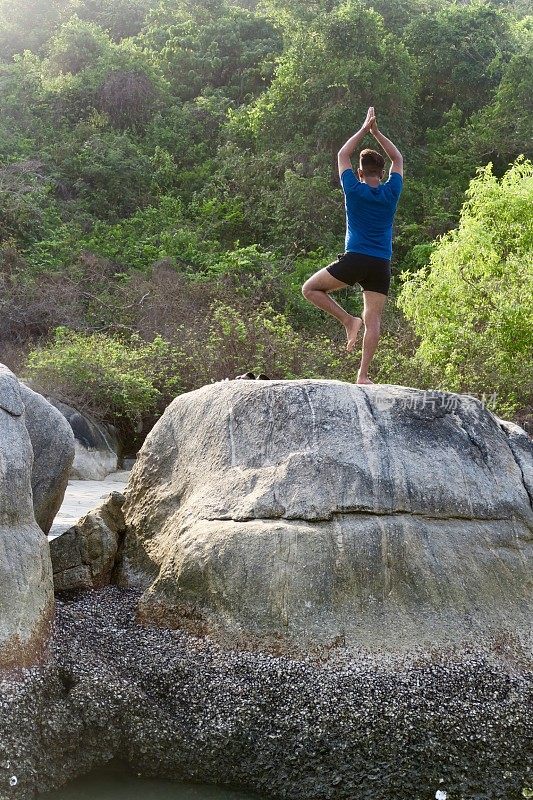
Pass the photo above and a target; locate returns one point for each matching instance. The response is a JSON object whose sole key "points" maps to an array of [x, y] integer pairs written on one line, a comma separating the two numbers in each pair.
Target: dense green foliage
{"points": [[472, 306], [168, 180], [95, 371]]}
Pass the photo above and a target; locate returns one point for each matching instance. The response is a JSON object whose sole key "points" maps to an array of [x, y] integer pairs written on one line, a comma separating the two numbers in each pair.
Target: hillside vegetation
{"points": [[168, 181]]}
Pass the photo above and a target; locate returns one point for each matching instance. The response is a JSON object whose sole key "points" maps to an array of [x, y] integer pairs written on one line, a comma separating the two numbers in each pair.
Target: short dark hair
{"points": [[372, 163]]}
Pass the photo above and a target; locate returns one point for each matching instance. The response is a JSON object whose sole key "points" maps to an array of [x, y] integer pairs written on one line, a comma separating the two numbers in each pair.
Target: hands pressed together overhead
{"points": [[370, 124]]}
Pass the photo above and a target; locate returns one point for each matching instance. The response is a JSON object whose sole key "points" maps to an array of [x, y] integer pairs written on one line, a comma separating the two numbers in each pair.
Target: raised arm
{"points": [[390, 148], [346, 151]]}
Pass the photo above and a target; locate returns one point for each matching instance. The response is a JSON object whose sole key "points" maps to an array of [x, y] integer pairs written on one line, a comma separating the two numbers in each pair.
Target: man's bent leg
{"points": [[316, 289], [374, 303]]}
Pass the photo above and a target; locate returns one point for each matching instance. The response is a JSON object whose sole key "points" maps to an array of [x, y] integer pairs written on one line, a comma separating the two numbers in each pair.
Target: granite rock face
{"points": [[96, 445], [26, 591], [52, 442], [84, 556], [520, 444], [303, 514]]}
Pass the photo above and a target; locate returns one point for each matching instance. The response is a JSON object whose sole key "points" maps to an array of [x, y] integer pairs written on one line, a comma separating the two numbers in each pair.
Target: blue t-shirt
{"points": [[370, 213]]}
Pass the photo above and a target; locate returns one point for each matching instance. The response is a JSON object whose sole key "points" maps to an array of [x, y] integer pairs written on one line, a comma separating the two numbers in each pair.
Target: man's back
{"points": [[370, 208], [370, 213]]}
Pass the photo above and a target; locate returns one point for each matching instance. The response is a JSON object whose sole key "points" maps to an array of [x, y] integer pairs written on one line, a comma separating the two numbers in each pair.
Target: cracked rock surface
{"points": [[299, 515], [83, 557]]}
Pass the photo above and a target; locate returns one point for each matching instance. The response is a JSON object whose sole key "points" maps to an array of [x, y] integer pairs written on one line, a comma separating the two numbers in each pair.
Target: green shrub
{"points": [[117, 381], [261, 339], [473, 306], [149, 235]]}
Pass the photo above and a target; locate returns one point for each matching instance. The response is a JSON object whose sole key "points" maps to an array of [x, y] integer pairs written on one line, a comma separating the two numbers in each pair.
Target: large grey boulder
{"points": [[26, 590], [299, 515], [52, 442], [96, 445]]}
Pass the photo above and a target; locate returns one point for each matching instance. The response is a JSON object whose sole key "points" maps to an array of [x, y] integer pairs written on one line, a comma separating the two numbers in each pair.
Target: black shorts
{"points": [[373, 274]]}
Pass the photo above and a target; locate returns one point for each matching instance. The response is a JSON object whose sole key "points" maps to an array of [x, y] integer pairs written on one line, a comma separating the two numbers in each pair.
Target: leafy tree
{"points": [[185, 136], [76, 46], [399, 14], [211, 45], [27, 24], [460, 51], [327, 78], [26, 125], [521, 8], [105, 170], [435, 188], [291, 14], [85, 71], [473, 306], [149, 235], [502, 130], [120, 18], [25, 202]]}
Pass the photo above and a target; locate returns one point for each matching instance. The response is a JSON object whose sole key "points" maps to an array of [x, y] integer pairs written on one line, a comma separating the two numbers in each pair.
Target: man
{"points": [[370, 208]]}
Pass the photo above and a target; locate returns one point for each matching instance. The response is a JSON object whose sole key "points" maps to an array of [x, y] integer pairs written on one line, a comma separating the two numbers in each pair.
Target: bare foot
{"points": [[363, 379], [352, 329]]}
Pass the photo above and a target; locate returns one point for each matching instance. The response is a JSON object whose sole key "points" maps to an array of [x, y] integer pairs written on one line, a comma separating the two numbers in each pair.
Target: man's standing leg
{"points": [[317, 289], [374, 303]]}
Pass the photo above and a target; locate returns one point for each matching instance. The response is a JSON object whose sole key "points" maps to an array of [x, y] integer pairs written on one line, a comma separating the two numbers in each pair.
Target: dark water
{"points": [[115, 783]]}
